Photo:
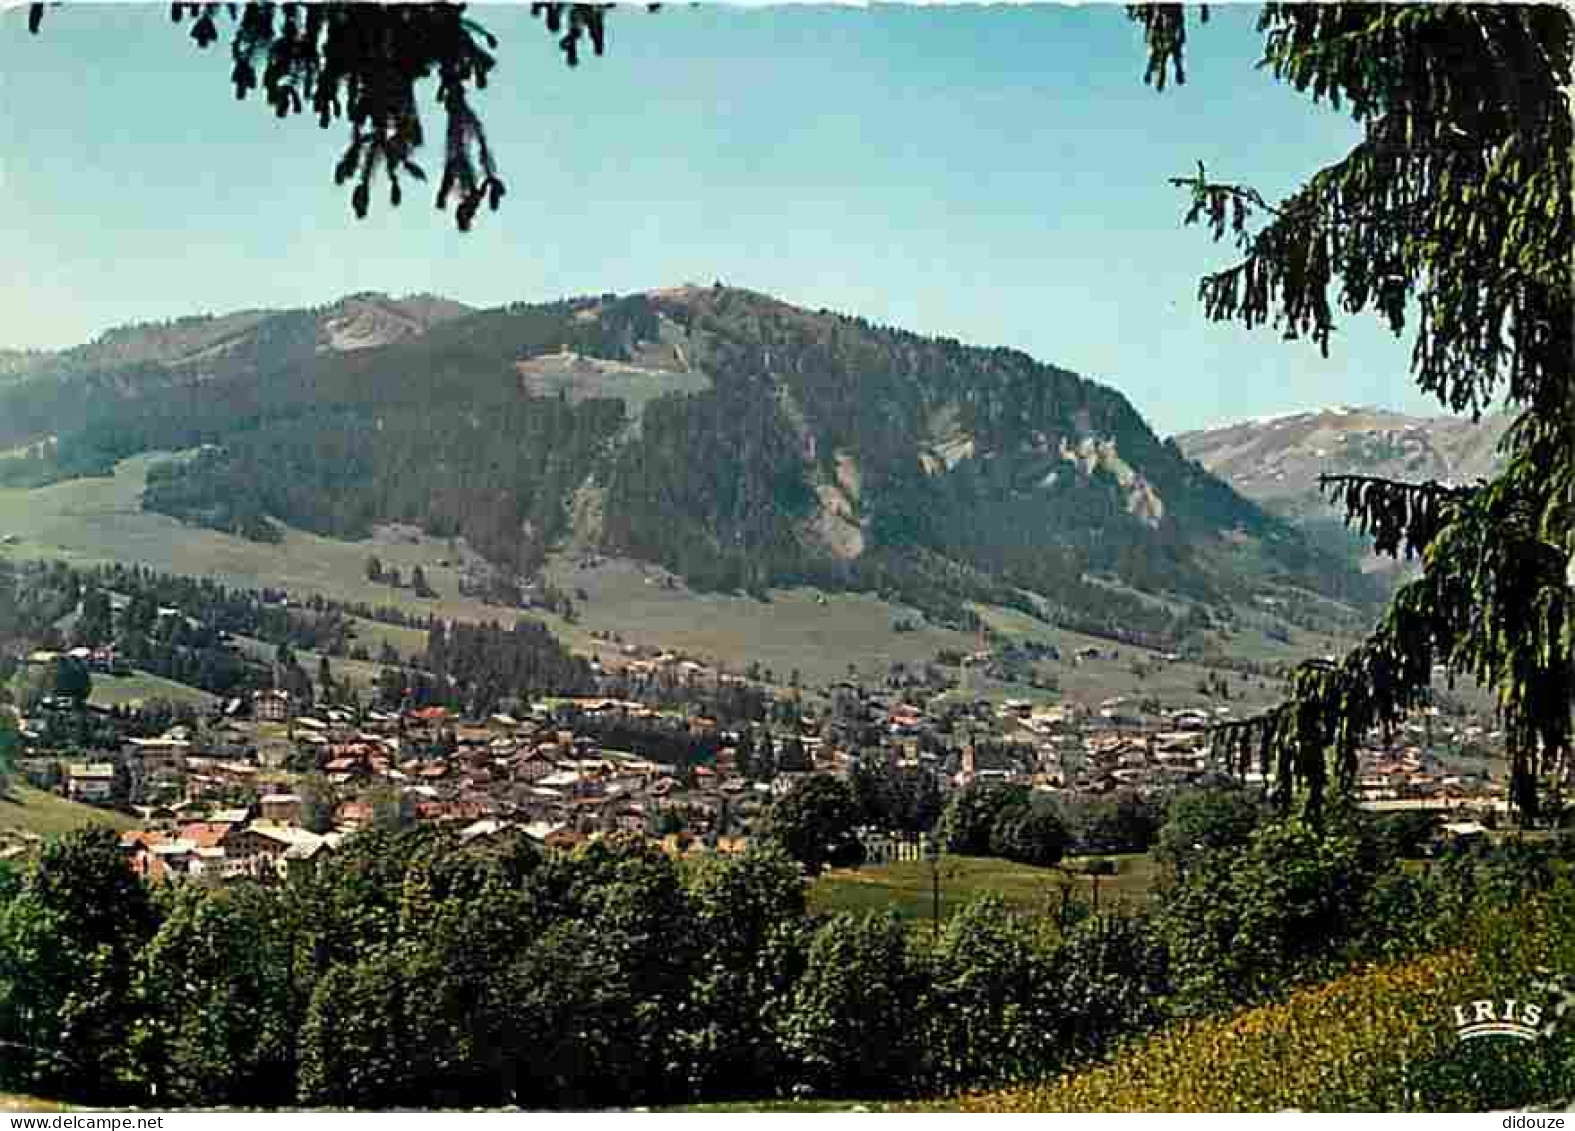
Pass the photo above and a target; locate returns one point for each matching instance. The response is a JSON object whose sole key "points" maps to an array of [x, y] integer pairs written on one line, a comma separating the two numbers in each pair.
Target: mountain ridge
{"points": [[1276, 461], [739, 440]]}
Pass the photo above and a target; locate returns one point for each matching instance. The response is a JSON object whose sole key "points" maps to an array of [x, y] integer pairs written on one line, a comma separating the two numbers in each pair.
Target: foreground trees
{"points": [[411, 969], [815, 822], [69, 941]]}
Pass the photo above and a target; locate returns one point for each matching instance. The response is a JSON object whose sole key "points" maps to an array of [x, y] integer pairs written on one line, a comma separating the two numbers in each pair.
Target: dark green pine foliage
{"points": [[486, 663], [1456, 203]]}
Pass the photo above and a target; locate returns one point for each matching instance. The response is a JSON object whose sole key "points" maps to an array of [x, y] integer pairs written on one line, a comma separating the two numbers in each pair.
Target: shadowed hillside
{"points": [[737, 440]]}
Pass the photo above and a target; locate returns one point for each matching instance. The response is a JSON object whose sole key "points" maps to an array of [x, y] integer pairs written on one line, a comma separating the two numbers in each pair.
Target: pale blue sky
{"points": [[993, 174]]}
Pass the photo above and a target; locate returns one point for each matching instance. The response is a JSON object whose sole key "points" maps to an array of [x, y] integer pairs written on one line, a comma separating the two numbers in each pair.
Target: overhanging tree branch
{"points": [[363, 62], [1454, 207], [1399, 517]]}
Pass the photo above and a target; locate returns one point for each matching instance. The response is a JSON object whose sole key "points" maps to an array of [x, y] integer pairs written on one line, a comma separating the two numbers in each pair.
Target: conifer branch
{"points": [[1399, 517], [363, 62]]}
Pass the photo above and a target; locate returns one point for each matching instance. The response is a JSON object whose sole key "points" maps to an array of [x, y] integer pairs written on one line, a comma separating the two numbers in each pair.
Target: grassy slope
{"points": [[113, 691], [32, 810], [792, 630], [12, 1102], [905, 887], [1340, 1046], [96, 520], [1089, 681], [361, 674]]}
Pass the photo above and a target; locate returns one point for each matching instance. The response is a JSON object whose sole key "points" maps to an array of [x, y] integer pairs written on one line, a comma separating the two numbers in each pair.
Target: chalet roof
{"points": [[90, 770], [133, 838], [485, 827], [284, 834], [204, 834]]}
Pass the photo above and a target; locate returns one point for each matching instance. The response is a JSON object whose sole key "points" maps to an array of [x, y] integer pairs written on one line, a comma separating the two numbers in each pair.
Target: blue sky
{"points": [[993, 174]]}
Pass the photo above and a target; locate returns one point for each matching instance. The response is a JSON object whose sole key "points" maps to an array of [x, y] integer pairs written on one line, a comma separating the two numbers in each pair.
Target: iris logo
{"points": [[1517, 1018], [1506, 1018]]}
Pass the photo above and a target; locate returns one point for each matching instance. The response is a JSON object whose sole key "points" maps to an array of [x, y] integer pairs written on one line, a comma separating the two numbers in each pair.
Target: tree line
{"points": [[411, 969]]}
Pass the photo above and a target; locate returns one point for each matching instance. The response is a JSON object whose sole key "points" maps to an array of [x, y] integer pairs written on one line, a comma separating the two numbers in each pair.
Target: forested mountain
{"points": [[736, 439], [44, 392]]}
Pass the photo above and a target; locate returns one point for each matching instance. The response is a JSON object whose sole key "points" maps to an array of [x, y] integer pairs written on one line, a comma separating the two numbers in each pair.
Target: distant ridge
{"points": [[1276, 461]]}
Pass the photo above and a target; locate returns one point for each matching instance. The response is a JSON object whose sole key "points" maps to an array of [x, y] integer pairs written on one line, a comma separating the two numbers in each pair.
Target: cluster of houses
{"points": [[102, 660], [224, 799], [226, 843], [1121, 746]]}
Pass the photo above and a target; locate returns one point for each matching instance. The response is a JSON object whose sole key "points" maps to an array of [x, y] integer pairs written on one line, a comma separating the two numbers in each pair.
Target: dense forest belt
{"points": [[415, 969], [740, 442]]}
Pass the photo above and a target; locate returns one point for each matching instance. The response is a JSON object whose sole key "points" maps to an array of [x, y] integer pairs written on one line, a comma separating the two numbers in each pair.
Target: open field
{"points": [[372, 635], [792, 631], [905, 887], [118, 690], [33, 810], [361, 674], [88, 521]]}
